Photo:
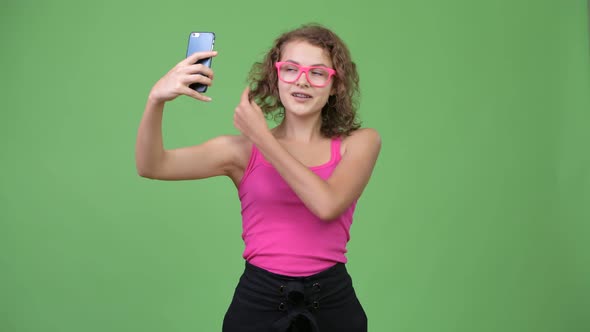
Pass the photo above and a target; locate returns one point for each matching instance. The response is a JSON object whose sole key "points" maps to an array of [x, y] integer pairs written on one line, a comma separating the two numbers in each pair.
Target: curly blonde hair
{"points": [[339, 114]]}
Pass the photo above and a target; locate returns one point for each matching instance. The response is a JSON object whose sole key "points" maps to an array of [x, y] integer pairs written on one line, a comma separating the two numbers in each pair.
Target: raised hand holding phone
{"points": [[200, 42], [187, 72]]}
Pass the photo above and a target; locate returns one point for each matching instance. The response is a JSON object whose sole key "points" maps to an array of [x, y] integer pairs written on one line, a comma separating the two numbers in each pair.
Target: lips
{"points": [[301, 95]]}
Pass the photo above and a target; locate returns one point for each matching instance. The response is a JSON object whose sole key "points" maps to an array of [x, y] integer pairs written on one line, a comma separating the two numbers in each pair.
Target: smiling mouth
{"points": [[300, 95]]}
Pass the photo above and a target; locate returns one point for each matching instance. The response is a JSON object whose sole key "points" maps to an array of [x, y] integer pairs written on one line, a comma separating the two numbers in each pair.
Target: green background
{"points": [[476, 217]]}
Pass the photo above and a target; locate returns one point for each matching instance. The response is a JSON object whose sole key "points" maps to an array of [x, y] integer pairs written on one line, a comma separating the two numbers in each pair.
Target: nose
{"points": [[302, 79]]}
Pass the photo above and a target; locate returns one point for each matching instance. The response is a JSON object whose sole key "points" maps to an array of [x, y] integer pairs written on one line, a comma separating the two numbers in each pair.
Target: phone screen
{"points": [[200, 42]]}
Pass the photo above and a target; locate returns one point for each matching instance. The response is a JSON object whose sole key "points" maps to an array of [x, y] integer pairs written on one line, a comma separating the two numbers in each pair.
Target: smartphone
{"points": [[200, 42]]}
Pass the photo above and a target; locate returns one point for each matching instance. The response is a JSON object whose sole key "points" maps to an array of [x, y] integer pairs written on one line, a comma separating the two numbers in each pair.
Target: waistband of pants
{"points": [[333, 271]]}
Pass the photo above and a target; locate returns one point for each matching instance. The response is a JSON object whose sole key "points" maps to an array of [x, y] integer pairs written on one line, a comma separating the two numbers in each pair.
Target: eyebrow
{"points": [[316, 65]]}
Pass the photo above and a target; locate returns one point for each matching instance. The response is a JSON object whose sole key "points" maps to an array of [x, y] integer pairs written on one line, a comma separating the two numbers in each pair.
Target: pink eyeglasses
{"points": [[317, 76]]}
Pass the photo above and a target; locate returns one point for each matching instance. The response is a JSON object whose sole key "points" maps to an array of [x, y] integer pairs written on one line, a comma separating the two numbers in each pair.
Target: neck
{"points": [[303, 130]]}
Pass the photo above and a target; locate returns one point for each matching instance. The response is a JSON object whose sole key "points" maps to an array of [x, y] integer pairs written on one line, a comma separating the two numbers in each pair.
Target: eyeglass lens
{"points": [[316, 76]]}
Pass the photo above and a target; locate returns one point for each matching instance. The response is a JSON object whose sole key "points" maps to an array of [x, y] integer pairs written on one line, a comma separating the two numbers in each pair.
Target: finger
{"points": [[198, 56], [198, 78], [255, 106], [245, 98], [194, 94], [199, 69]]}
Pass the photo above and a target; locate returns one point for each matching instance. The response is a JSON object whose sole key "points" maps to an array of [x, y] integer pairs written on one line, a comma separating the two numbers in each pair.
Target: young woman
{"points": [[298, 182]]}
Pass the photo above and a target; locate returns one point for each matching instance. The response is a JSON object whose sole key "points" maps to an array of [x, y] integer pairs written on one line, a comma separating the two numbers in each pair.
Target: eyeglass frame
{"points": [[305, 69]]}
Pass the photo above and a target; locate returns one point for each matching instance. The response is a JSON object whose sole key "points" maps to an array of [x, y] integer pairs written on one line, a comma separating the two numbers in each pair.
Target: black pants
{"points": [[324, 302]]}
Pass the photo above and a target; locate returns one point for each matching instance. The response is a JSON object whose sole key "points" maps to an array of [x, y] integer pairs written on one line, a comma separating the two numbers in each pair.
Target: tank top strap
{"points": [[336, 143]]}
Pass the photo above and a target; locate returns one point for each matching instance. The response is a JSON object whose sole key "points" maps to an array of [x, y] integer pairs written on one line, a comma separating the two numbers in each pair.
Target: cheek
{"points": [[325, 95], [283, 91]]}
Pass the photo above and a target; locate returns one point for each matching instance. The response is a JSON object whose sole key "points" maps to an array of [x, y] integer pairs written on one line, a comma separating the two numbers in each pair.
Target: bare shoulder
{"points": [[240, 148], [363, 138], [233, 141], [237, 145], [240, 143], [367, 135]]}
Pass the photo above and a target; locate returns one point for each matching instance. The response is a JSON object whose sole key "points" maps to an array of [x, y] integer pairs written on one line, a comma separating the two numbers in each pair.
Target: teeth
{"points": [[301, 95]]}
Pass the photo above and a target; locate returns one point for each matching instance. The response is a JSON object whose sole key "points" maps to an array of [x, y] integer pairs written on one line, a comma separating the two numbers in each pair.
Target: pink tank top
{"points": [[280, 234]]}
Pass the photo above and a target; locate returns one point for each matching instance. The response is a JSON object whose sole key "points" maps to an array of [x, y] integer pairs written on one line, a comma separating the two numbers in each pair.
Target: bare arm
{"points": [[329, 198], [214, 157]]}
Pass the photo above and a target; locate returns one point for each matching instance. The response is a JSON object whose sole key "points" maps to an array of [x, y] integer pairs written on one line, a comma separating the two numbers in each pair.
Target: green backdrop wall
{"points": [[476, 218]]}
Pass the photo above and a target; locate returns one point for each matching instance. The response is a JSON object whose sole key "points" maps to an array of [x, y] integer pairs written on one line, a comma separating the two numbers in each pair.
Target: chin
{"points": [[302, 110]]}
